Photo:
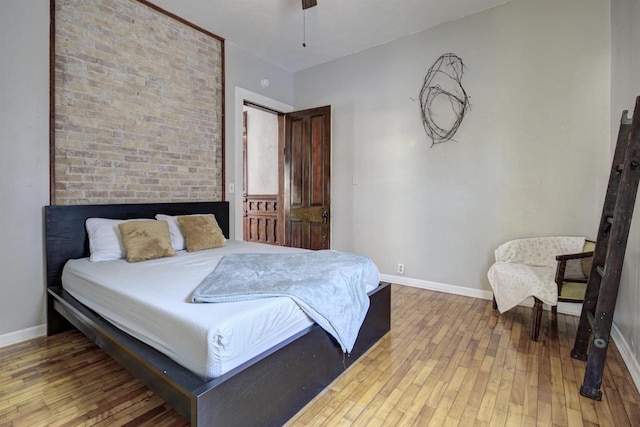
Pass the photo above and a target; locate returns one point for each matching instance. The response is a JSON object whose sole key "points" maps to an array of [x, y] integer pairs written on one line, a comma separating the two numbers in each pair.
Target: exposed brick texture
{"points": [[138, 106]]}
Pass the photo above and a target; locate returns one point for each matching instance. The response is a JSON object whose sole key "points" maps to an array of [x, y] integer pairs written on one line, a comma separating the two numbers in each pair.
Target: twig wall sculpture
{"points": [[444, 79]]}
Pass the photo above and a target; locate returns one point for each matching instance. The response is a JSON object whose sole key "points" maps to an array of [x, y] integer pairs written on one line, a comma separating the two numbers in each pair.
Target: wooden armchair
{"points": [[571, 288], [530, 268]]}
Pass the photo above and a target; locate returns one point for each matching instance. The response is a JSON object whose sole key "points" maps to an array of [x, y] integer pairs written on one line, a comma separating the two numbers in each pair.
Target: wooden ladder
{"points": [[594, 329]]}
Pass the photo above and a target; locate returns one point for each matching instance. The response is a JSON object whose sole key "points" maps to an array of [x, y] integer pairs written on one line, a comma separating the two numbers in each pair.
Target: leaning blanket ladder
{"points": [[594, 329]]}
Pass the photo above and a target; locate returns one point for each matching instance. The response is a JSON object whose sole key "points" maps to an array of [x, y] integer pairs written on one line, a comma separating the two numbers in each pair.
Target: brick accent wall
{"points": [[138, 106]]}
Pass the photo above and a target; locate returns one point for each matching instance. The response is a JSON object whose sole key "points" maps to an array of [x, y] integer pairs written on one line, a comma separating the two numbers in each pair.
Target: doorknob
{"points": [[325, 217]]}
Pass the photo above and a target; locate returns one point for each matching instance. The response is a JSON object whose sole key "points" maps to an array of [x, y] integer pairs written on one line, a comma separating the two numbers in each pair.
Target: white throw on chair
{"points": [[529, 267]]}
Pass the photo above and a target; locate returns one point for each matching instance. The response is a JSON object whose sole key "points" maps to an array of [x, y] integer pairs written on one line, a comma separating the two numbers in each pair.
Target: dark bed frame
{"points": [[267, 390]]}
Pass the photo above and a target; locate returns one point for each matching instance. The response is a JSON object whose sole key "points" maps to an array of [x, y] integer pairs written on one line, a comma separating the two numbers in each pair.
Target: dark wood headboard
{"points": [[66, 236]]}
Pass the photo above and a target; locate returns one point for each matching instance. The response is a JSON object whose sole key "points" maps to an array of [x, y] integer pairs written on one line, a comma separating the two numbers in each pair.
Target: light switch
{"points": [[232, 188]]}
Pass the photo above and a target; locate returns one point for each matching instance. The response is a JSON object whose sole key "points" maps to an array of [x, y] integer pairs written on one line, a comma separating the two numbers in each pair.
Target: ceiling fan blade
{"points": [[306, 4]]}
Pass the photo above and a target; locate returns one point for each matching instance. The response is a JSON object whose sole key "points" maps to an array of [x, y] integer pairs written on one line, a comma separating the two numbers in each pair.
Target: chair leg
{"points": [[536, 319], [495, 304]]}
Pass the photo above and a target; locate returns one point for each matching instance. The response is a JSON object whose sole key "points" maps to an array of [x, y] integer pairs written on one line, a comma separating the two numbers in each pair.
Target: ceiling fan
{"points": [[306, 4]]}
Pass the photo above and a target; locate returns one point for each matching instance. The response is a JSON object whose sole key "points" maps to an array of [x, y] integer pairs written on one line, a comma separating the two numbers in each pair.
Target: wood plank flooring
{"points": [[448, 360]]}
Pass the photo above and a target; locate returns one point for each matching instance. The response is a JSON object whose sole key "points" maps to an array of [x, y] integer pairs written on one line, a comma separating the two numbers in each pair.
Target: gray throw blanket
{"points": [[329, 286]]}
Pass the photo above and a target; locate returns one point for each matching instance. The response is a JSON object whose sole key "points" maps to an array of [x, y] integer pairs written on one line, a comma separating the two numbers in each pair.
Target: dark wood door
{"points": [[307, 172]]}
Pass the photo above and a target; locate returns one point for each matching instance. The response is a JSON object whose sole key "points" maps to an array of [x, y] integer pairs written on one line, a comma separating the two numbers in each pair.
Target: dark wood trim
{"points": [[245, 177], [222, 122], [281, 177], [262, 108], [52, 102], [267, 390], [245, 162]]}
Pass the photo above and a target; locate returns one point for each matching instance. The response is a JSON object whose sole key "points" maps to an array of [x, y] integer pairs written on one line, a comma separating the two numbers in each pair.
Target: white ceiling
{"points": [[272, 29]]}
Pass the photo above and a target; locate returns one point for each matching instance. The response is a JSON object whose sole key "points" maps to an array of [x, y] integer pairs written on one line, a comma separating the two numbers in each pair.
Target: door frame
{"points": [[263, 215], [235, 199]]}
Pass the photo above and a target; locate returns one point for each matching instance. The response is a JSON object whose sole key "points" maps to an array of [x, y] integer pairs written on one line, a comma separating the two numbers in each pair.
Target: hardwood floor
{"points": [[448, 360]]}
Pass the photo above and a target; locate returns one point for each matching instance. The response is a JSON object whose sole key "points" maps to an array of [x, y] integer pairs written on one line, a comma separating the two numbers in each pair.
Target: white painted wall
{"points": [[24, 161], [262, 151], [625, 86], [531, 157]]}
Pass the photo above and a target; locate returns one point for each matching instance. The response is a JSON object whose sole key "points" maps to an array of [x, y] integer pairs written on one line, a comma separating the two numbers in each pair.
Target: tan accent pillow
{"points": [[201, 232], [145, 240]]}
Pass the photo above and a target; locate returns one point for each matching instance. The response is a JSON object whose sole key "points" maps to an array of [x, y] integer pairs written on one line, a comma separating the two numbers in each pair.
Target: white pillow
{"points": [[177, 239], [105, 241]]}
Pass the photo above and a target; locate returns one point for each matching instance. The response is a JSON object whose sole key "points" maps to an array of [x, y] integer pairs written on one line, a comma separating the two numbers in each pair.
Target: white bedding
{"points": [[150, 300]]}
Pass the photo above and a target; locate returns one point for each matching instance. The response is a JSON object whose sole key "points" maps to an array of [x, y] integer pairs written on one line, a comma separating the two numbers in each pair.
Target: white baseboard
{"points": [[565, 308], [627, 355], [22, 335], [435, 286]]}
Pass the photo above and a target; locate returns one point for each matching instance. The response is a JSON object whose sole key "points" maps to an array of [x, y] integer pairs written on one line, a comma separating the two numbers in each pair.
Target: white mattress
{"points": [[150, 300]]}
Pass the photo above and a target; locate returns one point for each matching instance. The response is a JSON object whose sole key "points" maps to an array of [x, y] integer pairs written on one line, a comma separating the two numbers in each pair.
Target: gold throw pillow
{"points": [[201, 232], [145, 240]]}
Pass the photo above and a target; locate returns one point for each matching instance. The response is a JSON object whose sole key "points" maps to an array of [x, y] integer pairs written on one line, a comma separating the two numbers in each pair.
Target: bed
{"points": [[267, 389]]}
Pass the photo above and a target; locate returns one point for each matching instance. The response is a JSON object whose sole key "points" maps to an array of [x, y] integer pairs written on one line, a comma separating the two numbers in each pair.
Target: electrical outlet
{"points": [[400, 268]]}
